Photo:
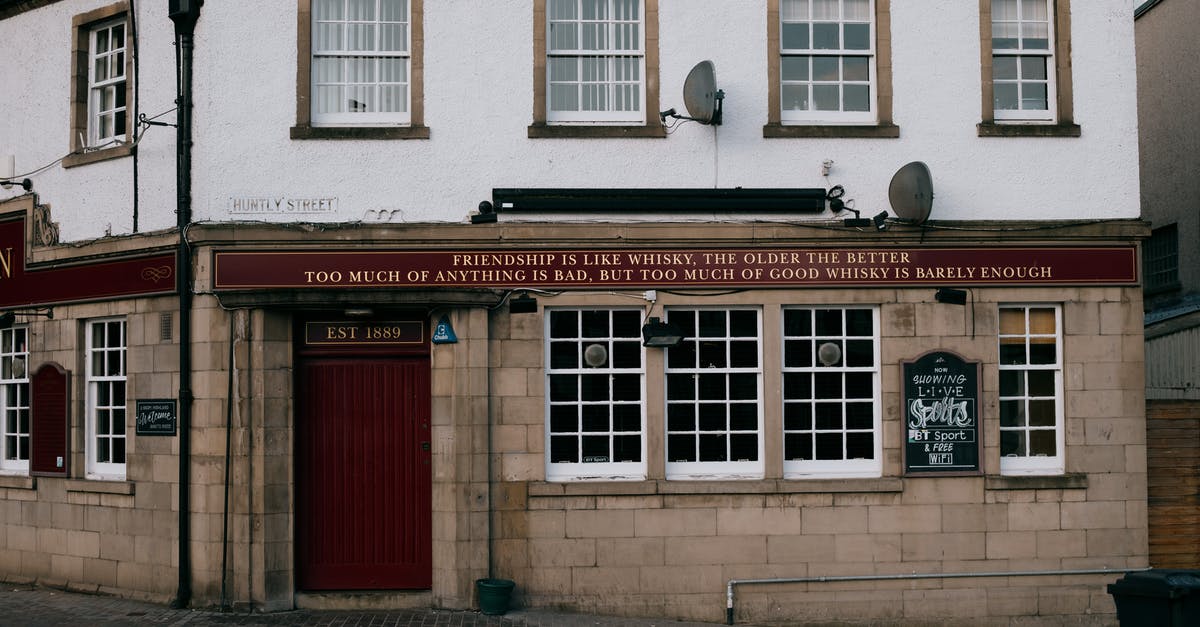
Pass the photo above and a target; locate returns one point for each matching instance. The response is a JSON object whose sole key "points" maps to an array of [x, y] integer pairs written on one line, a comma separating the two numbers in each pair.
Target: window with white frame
{"points": [[595, 61], [361, 55], [714, 394], [1031, 397], [831, 392], [828, 63], [1023, 65], [107, 106], [105, 362], [14, 394], [595, 381]]}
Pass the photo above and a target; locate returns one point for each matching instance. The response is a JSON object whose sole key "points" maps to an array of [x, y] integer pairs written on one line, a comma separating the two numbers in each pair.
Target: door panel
{"points": [[363, 486]]}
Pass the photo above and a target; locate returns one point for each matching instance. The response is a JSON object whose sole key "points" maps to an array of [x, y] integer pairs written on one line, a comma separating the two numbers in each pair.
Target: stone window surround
{"points": [[884, 126], [80, 50], [304, 129], [541, 129], [1064, 125]]}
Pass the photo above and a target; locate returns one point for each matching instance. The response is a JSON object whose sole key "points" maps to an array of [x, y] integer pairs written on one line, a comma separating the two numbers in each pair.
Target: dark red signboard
{"points": [[49, 400], [20, 286], [717, 267], [360, 333]]}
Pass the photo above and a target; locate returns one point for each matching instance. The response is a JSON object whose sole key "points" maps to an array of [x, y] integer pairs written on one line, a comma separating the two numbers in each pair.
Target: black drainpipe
{"points": [[184, 13]]}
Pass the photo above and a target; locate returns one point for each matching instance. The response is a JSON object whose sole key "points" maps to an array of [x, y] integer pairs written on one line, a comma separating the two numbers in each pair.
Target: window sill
{"points": [[18, 482], [760, 486], [359, 132], [1072, 481], [577, 131], [83, 158], [885, 131], [100, 486], [992, 129]]}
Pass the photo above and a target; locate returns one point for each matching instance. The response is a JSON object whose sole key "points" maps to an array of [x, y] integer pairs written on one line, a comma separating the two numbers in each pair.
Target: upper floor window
{"points": [[1160, 260], [1022, 60], [827, 63], [1026, 67], [101, 86], [360, 70], [829, 68], [596, 68], [831, 392], [1031, 402], [105, 363], [107, 104], [596, 399], [14, 399], [714, 395]]}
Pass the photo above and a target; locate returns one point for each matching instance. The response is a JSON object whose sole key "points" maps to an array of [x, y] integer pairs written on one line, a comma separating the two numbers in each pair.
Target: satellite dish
{"points": [[911, 192], [700, 96]]}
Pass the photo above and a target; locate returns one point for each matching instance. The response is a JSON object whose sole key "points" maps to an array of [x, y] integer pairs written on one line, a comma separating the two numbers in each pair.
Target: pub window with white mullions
{"points": [[106, 351], [1031, 397], [596, 61], [827, 64], [14, 379], [596, 390], [714, 395], [831, 392]]}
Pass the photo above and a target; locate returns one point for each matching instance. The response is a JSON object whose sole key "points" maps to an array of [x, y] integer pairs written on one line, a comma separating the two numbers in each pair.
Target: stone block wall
{"points": [[669, 548]]}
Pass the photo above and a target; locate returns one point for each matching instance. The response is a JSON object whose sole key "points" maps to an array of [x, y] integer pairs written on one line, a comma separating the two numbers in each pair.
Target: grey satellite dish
{"points": [[911, 192], [700, 96]]}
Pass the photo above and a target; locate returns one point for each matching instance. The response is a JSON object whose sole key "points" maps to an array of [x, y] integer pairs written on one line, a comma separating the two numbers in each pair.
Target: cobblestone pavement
{"points": [[31, 606]]}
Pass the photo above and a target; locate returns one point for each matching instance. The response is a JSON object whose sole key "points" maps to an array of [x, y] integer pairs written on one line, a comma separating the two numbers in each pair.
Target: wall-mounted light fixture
{"points": [[487, 214], [950, 296], [659, 334], [880, 221], [25, 184], [9, 317], [522, 304]]}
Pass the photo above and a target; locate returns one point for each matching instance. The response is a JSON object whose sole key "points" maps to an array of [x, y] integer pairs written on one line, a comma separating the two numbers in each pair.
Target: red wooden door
{"points": [[363, 486]]}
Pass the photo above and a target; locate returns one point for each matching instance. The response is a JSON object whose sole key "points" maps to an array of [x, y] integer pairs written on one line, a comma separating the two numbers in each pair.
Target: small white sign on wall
{"points": [[280, 205]]}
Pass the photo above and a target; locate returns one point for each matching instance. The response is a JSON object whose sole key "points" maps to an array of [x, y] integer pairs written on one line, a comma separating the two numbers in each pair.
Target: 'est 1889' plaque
{"points": [[941, 415]]}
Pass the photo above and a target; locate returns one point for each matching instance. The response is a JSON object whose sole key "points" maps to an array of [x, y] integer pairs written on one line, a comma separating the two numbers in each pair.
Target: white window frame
{"points": [[703, 470], [611, 56], [595, 470], [113, 379], [810, 343], [14, 400], [1050, 82], [812, 115], [99, 131], [1015, 464], [359, 118]]}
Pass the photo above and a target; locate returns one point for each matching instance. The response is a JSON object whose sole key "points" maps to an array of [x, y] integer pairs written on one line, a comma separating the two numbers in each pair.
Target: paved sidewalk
{"points": [[31, 606]]}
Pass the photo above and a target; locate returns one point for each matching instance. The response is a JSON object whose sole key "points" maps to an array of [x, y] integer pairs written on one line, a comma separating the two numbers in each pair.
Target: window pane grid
{"points": [[106, 89], [106, 381], [827, 60], [714, 381], [595, 60], [830, 385], [1030, 385], [361, 61], [595, 382], [1022, 59], [1160, 258], [14, 394]]}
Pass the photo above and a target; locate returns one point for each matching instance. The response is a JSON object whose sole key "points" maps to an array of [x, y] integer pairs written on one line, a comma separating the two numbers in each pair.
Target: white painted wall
{"points": [[478, 104]]}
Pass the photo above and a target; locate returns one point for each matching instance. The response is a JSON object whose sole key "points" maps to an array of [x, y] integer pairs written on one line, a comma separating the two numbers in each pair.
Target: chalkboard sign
{"points": [[156, 416], [941, 415]]}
